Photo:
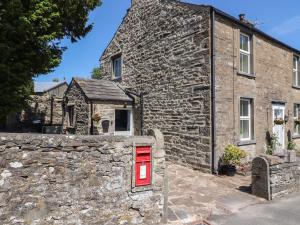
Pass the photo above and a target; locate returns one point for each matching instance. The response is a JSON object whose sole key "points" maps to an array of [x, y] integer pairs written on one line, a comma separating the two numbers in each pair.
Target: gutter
{"points": [[214, 163]]}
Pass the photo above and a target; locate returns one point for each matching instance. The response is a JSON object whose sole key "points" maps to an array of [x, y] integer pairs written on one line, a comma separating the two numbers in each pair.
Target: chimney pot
{"points": [[242, 17]]}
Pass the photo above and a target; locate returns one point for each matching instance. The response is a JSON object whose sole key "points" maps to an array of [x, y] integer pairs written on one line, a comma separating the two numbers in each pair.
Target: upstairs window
{"points": [[296, 118], [245, 54], [246, 119], [296, 80], [117, 67]]}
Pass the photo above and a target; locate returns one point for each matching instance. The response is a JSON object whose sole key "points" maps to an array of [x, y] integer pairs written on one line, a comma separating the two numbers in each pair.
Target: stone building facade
{"points": [[87, 99], [182, 62], [44, 112], [164, 47]]}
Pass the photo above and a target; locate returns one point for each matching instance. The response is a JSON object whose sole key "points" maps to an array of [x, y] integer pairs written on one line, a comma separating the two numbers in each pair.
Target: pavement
{"points": [[284, 211], [196, 198]]}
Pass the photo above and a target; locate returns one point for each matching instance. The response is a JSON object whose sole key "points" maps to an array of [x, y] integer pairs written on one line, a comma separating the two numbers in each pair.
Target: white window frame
{"points": [[296, 116], [131, 128], [296, 81], [114, 59], [247, 118], [248, 53]]}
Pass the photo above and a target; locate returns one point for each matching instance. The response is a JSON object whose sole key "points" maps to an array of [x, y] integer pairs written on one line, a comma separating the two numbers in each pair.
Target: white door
{"points": [[278, 130]]}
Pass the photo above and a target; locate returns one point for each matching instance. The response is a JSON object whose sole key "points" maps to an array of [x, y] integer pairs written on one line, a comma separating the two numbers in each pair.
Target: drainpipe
{"points": [[142, 112], [214, 163], [141, 97], [92, 122]]}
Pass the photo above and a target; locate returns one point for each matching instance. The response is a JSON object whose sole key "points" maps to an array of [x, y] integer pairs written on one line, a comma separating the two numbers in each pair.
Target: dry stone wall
{"points": [[53, 179], [165, 53], [273, 178]]}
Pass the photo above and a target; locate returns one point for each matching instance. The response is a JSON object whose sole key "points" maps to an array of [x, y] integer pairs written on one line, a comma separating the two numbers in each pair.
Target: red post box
{"points": [[143, 166]]}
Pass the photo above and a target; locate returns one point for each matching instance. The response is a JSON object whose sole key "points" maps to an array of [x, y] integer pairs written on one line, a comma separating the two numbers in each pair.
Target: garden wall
{"points": [[56, 179], [273, 177]]}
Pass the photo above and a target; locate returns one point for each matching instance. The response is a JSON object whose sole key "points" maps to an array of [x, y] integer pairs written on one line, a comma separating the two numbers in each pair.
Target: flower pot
{"points": [[279, 121], [228, 170]]}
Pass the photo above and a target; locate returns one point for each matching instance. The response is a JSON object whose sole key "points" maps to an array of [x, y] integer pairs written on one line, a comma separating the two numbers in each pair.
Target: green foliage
{"points": [[273, 142], [233, 155], [55, 80], [291, 145], [30, 42], [96, 73]]}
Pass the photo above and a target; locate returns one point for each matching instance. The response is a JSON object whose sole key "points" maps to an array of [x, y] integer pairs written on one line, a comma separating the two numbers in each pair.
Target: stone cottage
{"points": [[97, 107], [204, 78], [44, 112]]}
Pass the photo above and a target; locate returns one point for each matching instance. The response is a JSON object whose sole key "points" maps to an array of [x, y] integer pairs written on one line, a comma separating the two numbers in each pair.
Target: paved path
{"points": [[195, 196], [285, 211]]}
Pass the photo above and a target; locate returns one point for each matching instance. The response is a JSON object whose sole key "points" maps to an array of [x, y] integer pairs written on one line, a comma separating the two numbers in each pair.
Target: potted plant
{"points": [[96, 117], [279, 121], [231, 159], [297, 121]]}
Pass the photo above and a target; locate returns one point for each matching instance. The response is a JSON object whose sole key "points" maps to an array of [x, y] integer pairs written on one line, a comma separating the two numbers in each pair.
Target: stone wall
{"points": [[53, 179], [165, 53], [273, 178], [271, 81]]}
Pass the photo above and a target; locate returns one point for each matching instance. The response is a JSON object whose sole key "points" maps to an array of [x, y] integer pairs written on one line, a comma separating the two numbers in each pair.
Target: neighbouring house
{"points": [[205, 79], [97, 107], [45, 109]]}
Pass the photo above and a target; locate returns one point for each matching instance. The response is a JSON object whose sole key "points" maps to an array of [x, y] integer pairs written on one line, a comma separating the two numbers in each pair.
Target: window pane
{"points": [[122, 120], [244, 129], [244, 42], [278, 113], [244, 108], [296, 128], [117, 67], [295, 82], [244, 63], [295, 62]]}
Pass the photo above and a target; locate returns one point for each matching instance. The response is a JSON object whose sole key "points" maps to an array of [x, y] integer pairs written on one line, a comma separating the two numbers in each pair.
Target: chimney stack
{"points": [[242, 16], [243, 19]]}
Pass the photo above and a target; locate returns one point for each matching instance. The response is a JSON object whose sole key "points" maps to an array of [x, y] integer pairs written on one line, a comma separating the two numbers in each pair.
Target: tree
{"points": [[30, 42], [96, 73], [55, 80]]}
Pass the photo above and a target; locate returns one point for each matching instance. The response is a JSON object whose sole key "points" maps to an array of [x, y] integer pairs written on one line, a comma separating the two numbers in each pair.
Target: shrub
{"points": [[291, 145], [233, 155]]}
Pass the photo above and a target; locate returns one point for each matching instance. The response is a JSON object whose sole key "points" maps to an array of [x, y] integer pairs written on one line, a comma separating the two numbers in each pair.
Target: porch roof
{"points": [[102, 90]]}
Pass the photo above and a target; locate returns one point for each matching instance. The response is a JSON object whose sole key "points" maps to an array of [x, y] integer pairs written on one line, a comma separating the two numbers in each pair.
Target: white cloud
{"points": [[287, 27]]}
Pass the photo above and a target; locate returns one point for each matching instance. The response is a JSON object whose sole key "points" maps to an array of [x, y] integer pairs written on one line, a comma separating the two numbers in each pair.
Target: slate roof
{"points": [[40, 87], [102, 90]]}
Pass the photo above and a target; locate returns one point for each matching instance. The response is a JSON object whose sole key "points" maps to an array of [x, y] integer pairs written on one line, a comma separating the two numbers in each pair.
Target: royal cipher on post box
{"points": [[143, 166]]}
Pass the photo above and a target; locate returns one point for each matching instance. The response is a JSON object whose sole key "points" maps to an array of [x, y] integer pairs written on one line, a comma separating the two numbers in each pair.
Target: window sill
{"points": [[244, 143], [119, 79], [248, 75], [296, 87], [70, 127], [296, 136]]}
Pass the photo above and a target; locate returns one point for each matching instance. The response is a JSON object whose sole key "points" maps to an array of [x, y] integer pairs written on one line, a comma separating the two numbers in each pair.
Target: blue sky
{"points": [[281, 19]]}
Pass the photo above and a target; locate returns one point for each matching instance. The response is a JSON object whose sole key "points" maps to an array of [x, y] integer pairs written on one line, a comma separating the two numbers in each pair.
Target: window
{"points": [[246, 119], [123, 121], [296, 118], [71, 115], [117, 67], [296, 80], [245, 54]]}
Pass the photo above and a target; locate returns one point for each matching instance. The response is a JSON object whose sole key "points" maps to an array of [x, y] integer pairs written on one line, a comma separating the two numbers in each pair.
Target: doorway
{"points": [[278, 130]]}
